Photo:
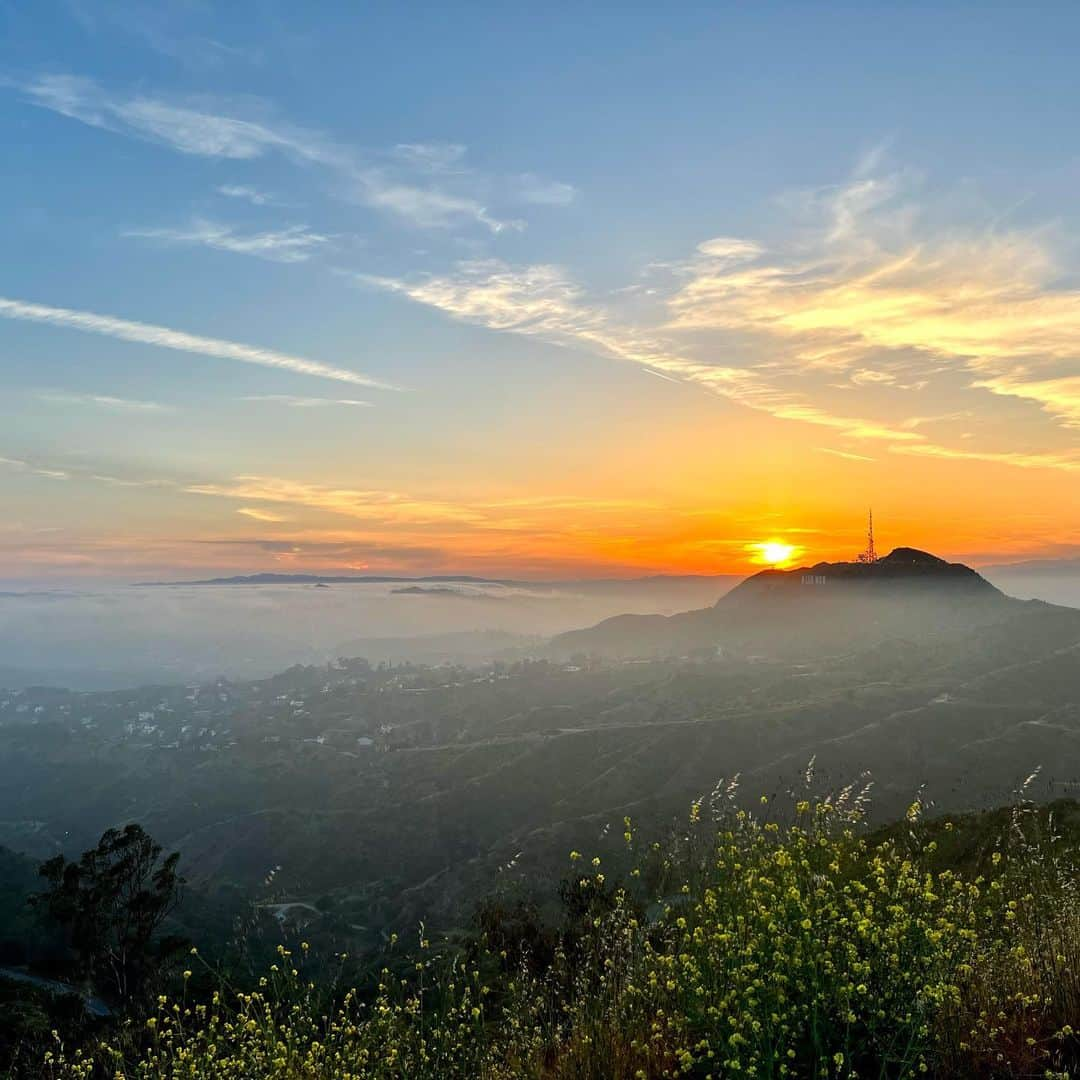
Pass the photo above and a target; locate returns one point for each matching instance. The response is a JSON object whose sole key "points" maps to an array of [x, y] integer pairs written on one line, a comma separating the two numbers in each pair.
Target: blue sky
{"points": [[468, 286]]}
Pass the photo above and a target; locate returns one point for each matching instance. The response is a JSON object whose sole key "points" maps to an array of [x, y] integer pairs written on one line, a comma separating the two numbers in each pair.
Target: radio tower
{"points": [[870, 554]]}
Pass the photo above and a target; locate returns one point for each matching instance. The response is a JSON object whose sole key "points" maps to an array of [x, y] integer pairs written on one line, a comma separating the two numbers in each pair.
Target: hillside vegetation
{"points": [[785, 942]]}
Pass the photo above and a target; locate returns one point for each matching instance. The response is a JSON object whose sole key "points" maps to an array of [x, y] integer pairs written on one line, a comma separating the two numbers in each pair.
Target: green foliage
{"points": [[747, 946], [28, 1017], [112, 903], [18, 880]]}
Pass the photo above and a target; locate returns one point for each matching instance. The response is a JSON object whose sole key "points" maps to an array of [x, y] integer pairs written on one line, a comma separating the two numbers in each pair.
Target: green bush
{"points": [[745, 947]]}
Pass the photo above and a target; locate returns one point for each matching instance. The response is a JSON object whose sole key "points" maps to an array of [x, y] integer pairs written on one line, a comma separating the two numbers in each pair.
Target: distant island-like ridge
{"points": [[331, 579], [270, 578]]}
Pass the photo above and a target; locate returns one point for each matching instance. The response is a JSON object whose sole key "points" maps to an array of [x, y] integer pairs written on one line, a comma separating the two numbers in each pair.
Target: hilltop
{"points": [[905, 566], [803, 611]]}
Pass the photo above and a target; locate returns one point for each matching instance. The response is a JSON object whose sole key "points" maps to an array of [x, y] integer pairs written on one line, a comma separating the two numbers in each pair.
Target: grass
{"points": [[782, 943]]}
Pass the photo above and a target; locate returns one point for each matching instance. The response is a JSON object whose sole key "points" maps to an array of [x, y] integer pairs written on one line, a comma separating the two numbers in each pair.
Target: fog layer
{"points": [[116, 636]]}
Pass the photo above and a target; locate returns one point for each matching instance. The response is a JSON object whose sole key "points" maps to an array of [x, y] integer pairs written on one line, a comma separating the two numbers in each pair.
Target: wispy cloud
{"points": [[541, 301], [104, 401], [524, 514], [217, 132], [541, 192], [979, 301], [122, 481], [847, 455], [294, 244], [729, 250], [427, 207], [53, 470], [262, 498], [439, 157], [296, 402], [248, 194], [1066, 462], [864, 299], [366, 505], [179, 340], [871, 377], [569, 502], [1059, 397], [351, 553], [18, 465], [938, 418], [165, 29], [873, 285], [260, 515], [189, 130]]}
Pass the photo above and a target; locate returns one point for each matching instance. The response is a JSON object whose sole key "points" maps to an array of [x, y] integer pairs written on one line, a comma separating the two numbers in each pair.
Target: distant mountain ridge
{"points": [[1037, 566], [333, 579], [267, 578], [907, 594]]}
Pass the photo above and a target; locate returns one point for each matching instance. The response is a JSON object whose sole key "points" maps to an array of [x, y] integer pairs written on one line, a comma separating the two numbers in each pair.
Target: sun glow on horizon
{"points": [[774, 552]]}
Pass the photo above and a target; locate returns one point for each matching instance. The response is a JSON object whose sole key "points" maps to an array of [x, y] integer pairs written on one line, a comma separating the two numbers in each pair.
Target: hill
{"points": [[813, 610]]}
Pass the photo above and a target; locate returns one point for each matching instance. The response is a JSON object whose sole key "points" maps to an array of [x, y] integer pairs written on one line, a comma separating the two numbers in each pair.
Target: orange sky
{"points": [[710, 483]]}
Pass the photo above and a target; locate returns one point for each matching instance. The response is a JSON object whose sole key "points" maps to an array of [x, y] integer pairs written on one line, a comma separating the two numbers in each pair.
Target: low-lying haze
{"points": [[119, 635]]}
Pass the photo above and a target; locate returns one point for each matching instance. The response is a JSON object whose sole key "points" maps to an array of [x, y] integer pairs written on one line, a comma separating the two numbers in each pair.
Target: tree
{"points": [[111, 903]]}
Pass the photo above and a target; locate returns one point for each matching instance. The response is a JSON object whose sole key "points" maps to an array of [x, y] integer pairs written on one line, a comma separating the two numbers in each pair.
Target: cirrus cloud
{"points": [[166, 338], [402, 183], [293, 244]]}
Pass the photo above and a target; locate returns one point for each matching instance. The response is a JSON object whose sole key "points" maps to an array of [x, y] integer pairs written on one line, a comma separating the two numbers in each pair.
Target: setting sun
{"points": [[774, 552]]}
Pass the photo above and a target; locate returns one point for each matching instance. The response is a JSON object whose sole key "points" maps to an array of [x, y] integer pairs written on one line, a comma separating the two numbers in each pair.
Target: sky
{"points": [[470, 288]]}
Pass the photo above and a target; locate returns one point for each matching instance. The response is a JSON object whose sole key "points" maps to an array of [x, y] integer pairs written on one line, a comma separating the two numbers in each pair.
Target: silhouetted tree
{"points": [[111, 904]]}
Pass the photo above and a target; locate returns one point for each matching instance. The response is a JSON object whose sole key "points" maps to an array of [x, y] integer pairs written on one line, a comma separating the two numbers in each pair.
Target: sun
{"points": [[774, 552]]}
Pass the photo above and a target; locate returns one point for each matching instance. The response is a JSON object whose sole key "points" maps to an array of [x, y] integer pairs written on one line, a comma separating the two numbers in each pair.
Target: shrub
{"points": [[746, 947]]}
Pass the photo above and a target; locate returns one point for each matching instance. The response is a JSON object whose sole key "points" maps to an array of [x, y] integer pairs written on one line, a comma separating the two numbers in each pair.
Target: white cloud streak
{"points": [[1020, 459], [540, 301], [375, 506], [427, 207], [191, 131], [366, 505], [540, 192], [104, 401], [297, 402], [294, 244], [432, 157], [203, 132], [260, 515], [247, 194], [847, 455], [18, 465], [166, 338]]}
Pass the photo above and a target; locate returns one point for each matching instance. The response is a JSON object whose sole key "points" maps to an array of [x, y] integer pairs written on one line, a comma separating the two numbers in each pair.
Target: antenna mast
{"points": [[870, 554]]}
